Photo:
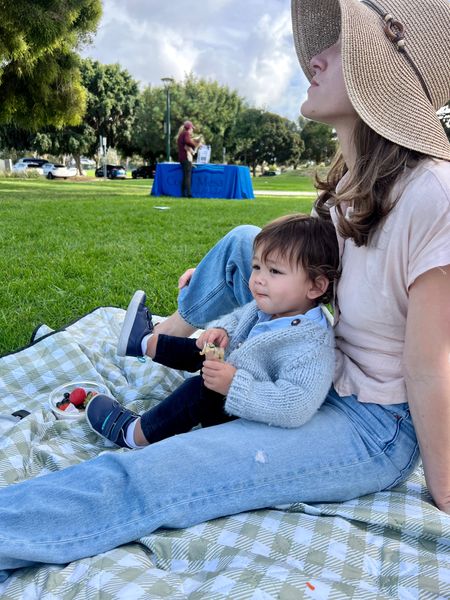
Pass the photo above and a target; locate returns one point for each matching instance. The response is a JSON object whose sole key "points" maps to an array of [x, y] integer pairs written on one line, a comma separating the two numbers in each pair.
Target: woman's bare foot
{"points": [[175, 325]]}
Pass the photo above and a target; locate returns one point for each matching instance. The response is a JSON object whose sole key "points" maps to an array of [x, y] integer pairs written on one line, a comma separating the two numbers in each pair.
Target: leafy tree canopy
{"points": [[319, 140], [111, 99], [264, 137], [212, 107], [40, 82]]}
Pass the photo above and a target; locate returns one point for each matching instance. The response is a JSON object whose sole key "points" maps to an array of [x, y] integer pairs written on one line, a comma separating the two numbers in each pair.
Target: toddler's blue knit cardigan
{"points": [[283, 376]]}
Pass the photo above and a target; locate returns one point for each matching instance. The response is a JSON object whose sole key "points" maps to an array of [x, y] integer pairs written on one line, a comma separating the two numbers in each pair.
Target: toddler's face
{"points": [[279, 288]]}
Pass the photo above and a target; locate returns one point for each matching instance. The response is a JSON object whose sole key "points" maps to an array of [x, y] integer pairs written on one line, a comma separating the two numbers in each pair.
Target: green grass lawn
{"points": [[68, 246], [290, 181]]}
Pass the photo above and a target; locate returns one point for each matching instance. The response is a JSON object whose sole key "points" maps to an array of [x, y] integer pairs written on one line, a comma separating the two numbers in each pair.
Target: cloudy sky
{"points": [[244, 44]]}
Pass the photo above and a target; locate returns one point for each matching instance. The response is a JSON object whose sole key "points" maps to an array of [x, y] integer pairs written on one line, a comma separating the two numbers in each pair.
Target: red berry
{"points": [[63, 405], [77, 396]]}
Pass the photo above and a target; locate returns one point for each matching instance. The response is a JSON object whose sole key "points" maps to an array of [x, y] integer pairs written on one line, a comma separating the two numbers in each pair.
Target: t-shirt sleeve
{"points": [[429, 224]]}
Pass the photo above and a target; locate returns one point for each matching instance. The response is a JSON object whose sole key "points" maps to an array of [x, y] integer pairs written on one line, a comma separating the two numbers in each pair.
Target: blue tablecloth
{"points": [[208, 181]]}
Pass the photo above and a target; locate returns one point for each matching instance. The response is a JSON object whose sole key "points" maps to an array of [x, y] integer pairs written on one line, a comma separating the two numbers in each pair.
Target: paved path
{"points": [[281, 193]]}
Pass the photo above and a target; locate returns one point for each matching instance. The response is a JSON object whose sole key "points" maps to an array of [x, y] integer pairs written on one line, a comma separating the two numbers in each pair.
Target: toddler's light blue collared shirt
{"points": [[265, 324]]}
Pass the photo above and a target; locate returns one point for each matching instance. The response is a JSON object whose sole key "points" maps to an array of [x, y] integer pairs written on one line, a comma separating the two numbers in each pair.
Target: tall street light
{"points": [[167, 81]]}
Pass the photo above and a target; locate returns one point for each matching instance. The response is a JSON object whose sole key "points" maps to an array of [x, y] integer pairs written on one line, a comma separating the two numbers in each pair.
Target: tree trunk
{"points": [[77, 158]]}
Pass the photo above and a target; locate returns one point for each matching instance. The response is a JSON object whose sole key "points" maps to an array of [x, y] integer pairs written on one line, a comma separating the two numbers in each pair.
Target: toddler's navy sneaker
{"points": [[136, 325], [109, 419]]}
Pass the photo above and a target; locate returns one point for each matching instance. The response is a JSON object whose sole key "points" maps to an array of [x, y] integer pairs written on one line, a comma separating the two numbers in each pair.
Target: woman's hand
{"points": [[427, 376], [185, 278], [218, 375]]}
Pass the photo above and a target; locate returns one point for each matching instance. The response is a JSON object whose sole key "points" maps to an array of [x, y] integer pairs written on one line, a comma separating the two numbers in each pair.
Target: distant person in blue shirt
{"points": [[271, 360]]}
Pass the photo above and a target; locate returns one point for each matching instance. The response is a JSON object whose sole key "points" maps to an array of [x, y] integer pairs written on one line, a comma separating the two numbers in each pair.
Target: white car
{"points": [[34, 164], [52, 171]]}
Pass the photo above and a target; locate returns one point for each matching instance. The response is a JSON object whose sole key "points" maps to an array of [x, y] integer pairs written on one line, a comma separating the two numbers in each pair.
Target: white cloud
{"points": [[244, 44]]}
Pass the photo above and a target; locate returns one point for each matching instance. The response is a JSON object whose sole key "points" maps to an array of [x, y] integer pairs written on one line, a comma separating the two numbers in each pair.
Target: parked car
{"points": [[112, 172], [270, 173], [35, 164], [146, 172], [32, 160], [53, 170], [85, 163]]}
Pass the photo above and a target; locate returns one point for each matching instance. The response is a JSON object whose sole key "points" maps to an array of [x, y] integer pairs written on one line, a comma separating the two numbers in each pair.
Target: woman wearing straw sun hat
{"points": [[395, 62], [396, 71], [378, 72]]}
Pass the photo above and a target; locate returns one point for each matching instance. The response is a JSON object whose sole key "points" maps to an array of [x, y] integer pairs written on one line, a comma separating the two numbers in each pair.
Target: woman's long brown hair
{"points": [[368, 189]]}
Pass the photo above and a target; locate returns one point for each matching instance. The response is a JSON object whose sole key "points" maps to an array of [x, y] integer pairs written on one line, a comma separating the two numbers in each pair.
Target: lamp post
{"points": [[167, 81]]}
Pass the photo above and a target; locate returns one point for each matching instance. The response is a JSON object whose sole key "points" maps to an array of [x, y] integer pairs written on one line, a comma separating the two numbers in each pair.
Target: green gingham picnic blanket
{"points": [[393, 544]]}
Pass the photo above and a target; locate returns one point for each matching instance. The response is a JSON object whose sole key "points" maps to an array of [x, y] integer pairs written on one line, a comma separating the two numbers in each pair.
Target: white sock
{"points": [[144, 343], [129, 437]]}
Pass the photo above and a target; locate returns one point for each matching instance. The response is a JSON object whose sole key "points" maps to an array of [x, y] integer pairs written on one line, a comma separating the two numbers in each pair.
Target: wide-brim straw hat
{"points": [[388, 83]]}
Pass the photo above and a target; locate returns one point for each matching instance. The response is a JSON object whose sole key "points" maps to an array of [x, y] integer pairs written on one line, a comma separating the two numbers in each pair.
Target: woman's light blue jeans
{"points": [[346, 450]]}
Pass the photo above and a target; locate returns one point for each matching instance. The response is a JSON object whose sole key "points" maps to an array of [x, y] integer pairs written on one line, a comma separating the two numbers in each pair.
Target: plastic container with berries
{"points": [[69, 401]]}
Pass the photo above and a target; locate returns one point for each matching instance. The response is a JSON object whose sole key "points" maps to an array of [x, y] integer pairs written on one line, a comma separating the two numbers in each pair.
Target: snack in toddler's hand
{"points": [[212, 352]]}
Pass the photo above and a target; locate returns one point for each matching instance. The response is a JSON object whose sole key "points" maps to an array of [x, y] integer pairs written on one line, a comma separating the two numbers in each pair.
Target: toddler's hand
{"points": [[218, 376], [215, 335]]}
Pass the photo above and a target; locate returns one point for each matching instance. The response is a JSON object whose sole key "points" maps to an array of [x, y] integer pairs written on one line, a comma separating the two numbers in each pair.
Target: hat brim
{"points": [[382, 87]]}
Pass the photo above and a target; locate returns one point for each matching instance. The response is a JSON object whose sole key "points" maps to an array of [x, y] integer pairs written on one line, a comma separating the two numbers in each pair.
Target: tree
{"points": [[111, 100], [212, 107], [40, 82], [297, 146], [264, 137], [14, 138], [319, 140], [148, 127]]}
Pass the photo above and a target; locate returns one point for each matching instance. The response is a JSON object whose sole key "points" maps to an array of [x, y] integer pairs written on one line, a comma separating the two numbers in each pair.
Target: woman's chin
{"points": [[307, 108], [304, 110]]}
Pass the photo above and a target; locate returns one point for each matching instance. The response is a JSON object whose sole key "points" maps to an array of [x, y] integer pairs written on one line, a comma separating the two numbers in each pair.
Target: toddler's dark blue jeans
{"points": [[191, 403]]}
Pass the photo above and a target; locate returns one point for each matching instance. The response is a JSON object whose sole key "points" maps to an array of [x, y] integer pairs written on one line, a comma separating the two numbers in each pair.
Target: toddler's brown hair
{"points": [[305, 241]]}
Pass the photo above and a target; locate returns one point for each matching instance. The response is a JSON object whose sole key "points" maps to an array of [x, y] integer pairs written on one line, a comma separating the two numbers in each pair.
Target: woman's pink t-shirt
{"points": [[372, 294]]}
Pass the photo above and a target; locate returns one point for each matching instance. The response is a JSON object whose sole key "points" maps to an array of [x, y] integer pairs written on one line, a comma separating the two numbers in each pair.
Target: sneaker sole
{"points": [[128, 322]]}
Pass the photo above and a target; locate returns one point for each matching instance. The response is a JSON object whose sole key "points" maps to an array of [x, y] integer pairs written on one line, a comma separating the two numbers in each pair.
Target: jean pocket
{"points": [[377, 425]]}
